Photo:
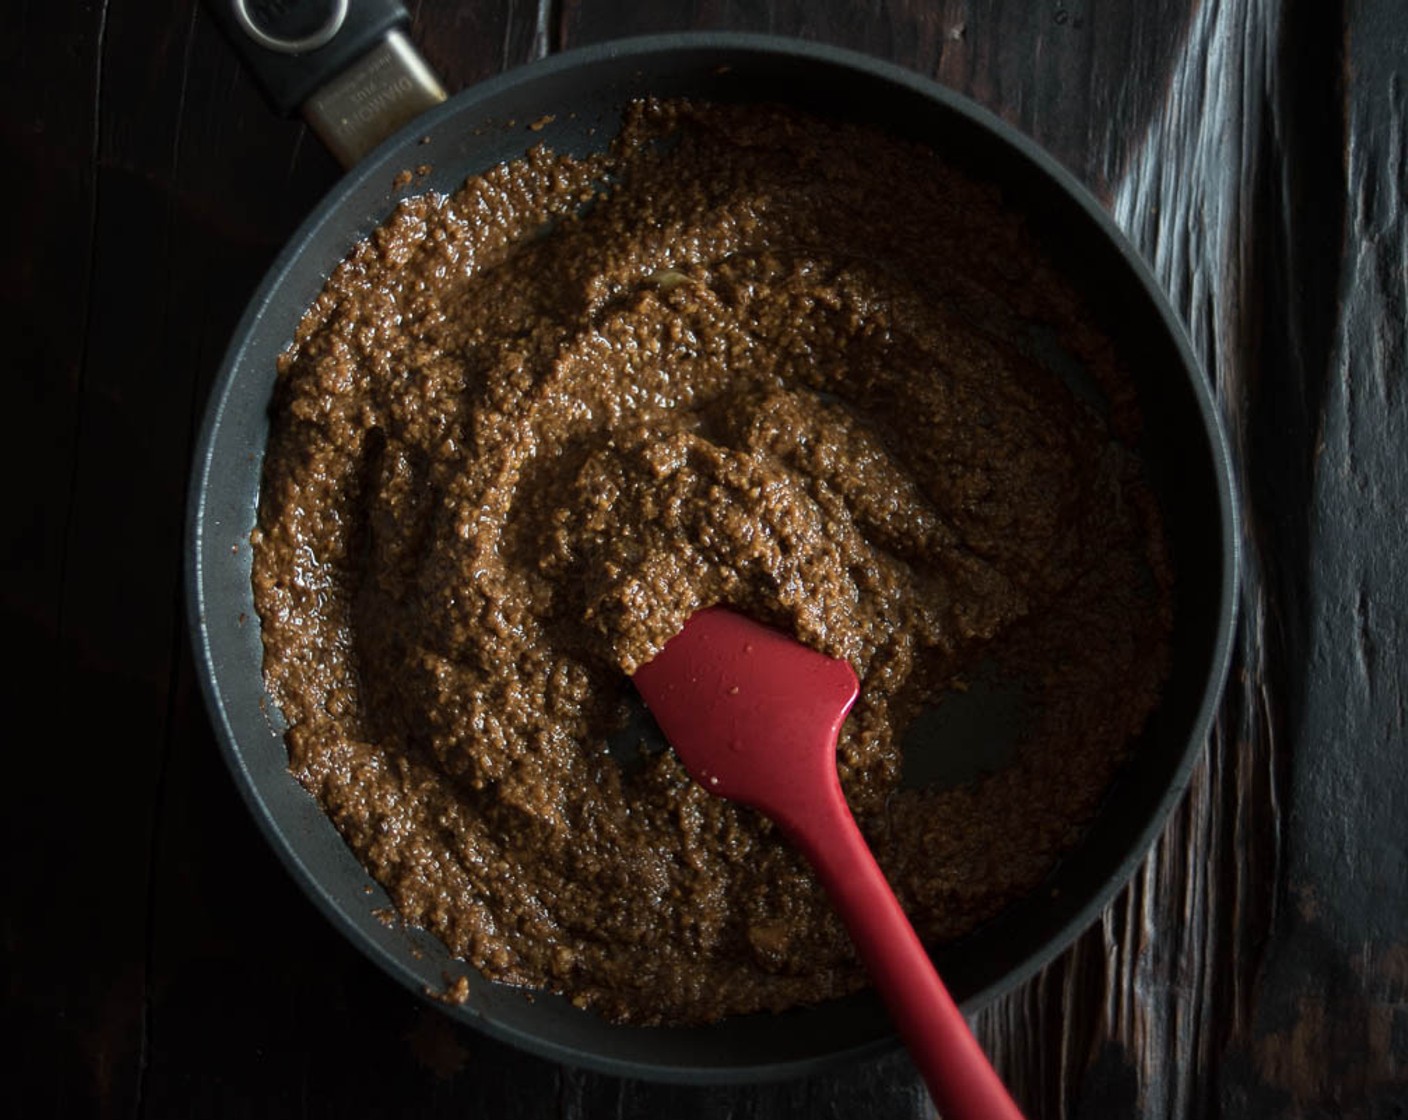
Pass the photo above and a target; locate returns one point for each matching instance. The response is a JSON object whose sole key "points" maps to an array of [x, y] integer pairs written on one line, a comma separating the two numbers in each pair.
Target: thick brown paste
{"points": [[745, 357]]}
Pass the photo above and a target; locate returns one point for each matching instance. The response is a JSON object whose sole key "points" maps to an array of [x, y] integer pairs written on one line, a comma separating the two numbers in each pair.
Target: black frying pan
{"points": [[584, 92]]}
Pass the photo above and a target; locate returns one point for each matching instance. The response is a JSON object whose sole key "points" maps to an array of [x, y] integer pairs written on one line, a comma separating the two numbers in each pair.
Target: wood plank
{"points": [[1184, 941], [1326, 1030], [71, 997]]}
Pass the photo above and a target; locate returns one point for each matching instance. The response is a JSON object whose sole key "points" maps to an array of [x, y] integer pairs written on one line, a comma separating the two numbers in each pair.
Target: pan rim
{"points": [[1057, 177]]}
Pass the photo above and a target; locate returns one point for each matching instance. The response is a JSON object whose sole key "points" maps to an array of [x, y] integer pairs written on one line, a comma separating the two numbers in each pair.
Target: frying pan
{"points": [[583, 93]]}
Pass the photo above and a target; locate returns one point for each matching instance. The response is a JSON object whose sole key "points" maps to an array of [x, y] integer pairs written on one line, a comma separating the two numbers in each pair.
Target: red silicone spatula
{"points": [[754, 716]]}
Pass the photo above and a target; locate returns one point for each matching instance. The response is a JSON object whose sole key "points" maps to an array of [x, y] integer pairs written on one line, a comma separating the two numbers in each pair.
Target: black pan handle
{"points": [[345, 65]]}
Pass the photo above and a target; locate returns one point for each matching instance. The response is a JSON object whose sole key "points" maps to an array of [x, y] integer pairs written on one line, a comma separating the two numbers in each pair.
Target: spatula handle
{"points": [[960, 1078]]}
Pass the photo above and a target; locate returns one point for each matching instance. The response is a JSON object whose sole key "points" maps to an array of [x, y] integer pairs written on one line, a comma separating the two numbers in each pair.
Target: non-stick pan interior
{"points": [[583, 94]]}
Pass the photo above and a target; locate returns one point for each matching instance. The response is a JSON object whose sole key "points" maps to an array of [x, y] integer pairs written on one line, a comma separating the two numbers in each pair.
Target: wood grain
{"points": [[1275, 251], [1082, 78], [158, 962]]}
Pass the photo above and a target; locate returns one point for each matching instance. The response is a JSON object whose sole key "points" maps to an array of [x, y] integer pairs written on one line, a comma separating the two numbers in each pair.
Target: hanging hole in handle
{"points": [[291, 28]]}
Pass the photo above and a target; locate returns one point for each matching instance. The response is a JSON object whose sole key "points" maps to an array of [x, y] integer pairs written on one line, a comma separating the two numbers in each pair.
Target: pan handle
{"points": [[345, 65]]}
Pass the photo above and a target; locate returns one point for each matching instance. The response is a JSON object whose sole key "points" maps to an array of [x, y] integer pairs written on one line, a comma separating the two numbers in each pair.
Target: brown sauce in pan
{"points": [[747, 357]]}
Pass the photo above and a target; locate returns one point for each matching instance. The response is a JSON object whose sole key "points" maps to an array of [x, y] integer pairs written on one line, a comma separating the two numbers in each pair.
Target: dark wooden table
{"points": [[158, 961]]}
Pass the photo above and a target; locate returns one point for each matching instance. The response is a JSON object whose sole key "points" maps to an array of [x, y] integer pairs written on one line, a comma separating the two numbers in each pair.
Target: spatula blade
{"points": [[749, 710]]}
